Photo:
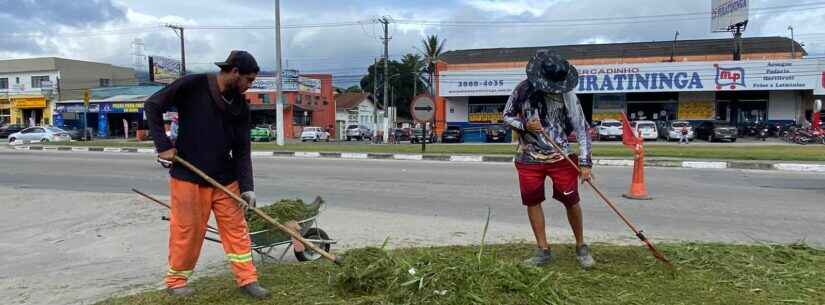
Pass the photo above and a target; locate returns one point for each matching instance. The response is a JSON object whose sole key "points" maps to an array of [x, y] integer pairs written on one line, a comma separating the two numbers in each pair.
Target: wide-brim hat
{"points": [[550, 72]]}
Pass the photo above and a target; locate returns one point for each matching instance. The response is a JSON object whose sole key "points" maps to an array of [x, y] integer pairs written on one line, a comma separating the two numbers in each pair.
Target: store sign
{"points": [[726, 14], [292, 83], [659, 77], [29, 103], [309, 85], [126, 107], [164, 70]]}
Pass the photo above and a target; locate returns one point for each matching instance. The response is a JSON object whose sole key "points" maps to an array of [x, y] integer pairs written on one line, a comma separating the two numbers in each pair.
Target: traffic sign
{"points": [[422, 108]]}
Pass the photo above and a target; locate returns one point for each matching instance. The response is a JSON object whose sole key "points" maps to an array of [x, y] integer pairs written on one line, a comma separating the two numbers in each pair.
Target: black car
{"points": [[453, 134], [496, 133], [74, 132], [712, 131], [7, 130]]}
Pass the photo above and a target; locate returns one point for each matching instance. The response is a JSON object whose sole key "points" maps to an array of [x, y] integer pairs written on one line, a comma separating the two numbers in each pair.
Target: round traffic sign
{"points": [[422, 108]]}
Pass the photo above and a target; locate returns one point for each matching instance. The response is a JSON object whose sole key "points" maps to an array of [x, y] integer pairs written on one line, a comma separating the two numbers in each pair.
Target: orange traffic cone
{"points": [[638, 191]]}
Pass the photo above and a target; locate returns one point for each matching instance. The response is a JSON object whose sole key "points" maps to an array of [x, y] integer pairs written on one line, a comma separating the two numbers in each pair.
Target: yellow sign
{"points": [[601, 116], [485, 117], [29, 103], [698, 110]]}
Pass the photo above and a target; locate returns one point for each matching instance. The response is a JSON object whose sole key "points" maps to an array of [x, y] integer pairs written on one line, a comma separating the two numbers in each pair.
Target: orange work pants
{"points": [[191, 205]]}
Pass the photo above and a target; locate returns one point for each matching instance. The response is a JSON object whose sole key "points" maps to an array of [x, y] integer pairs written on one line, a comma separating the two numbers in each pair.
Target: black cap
{"points": [[242, 60]]}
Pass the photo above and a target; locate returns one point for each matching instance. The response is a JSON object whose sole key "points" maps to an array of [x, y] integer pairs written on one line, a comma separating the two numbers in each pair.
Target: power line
{"points": [[609, 20]]}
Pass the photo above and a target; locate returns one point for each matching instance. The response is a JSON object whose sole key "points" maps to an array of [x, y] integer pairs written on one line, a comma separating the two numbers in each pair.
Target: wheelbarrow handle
{"points": [[259, 212]]}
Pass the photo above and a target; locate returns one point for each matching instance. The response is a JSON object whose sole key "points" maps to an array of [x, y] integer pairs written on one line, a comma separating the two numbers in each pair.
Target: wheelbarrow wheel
{"points": [[308, 255]]}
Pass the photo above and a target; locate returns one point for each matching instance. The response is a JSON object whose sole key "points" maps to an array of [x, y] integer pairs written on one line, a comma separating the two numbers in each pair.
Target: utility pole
{"points": [[179, 31], [673, 48], [389, 113], [793, 44], [279, 77], [375, 99], [737, 43]]}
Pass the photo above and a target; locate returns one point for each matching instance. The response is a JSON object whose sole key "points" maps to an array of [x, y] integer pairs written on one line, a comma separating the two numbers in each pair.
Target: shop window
{"points": [[298, 99], [326, 103], [16, 80], [37, 81], [265, 98], [4, 83], [105, 82]]}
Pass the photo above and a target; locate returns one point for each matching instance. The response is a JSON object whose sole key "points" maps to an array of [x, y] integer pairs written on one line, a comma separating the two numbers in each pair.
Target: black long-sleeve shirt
{"points": [[213, 134]]}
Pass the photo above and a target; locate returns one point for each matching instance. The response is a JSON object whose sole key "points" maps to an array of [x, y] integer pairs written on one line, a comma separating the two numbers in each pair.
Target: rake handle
{"points": [[658, 255], [258, 211]]}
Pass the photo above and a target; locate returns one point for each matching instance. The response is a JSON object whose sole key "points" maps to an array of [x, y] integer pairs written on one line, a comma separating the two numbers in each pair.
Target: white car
{"points": [[41, 134], [647, 128], [314, 134], [610, 130]]}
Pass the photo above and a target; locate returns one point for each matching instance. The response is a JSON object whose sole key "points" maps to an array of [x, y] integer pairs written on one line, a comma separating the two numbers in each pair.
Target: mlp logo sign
{"points": [[729, 77]]}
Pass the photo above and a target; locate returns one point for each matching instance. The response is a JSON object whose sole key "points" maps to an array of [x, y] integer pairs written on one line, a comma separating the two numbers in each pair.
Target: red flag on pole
{"points": [[629, 137]]}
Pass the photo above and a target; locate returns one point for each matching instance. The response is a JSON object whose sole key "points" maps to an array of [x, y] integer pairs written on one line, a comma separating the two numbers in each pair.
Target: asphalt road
{"points": [[689, 204]]}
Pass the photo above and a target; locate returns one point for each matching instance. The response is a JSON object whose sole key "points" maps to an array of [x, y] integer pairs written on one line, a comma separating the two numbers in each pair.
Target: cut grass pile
{"points": [[283, 211], [706, 274]]}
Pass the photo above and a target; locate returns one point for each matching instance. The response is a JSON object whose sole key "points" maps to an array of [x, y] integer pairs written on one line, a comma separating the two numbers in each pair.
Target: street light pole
{"points": [[793, 44], [279, 74]]}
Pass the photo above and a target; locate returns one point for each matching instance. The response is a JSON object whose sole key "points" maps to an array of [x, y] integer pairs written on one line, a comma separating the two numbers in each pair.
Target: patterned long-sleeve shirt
{"points": [[559, 114]]}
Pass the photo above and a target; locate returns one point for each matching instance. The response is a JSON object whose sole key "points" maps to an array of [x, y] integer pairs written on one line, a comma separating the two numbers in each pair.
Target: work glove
{"points": [[249, 197]]}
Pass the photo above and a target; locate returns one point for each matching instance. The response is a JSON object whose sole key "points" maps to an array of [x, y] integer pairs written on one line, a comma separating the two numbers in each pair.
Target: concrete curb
{"points": [[665, 163]]}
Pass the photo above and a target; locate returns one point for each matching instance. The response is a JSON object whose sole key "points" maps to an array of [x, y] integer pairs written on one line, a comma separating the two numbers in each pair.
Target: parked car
{"points": [[672, 131], [610, 130], [401, 134], [314, 134], [453, 134], [41, 134], [261, 134], [647, 129], [712, 131], [7, 130], [495, 133], [359, 132], [418, 136], [74, 132]]}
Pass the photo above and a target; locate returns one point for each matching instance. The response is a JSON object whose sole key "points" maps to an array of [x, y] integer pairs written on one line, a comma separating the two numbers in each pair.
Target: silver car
{"points": [[672, 131], [358, 132], [41, 134]]}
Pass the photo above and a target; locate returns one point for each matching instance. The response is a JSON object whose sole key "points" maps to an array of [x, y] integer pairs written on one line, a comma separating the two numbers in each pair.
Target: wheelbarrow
{"points": [[265, 241]]}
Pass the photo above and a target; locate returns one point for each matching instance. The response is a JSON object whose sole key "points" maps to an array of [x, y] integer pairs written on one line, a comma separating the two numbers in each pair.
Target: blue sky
{"points": [[103, 30]]}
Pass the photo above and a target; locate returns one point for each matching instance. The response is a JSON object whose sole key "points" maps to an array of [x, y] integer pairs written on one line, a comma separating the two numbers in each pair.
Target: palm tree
{"points": [[414, 65], [432, 51]]}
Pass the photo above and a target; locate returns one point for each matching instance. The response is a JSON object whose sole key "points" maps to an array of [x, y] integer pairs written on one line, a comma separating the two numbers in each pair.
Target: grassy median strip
{"points": [[706, 274], [715, 152]]}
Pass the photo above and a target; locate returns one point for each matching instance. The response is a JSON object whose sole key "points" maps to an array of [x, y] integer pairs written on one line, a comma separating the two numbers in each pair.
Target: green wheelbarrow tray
{"points": [[264, 241]]}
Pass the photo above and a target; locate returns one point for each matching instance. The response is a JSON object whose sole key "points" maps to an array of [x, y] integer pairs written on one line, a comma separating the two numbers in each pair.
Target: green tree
{"points": [[404, 82], [354, 88], [433, 48]]}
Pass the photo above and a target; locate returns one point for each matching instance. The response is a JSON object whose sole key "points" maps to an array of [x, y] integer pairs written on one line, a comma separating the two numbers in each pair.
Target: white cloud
{"points": [[513, 7]]}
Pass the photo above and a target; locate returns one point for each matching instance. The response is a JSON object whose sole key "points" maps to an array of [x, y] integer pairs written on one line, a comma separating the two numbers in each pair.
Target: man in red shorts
{"points": [[541, 110]]}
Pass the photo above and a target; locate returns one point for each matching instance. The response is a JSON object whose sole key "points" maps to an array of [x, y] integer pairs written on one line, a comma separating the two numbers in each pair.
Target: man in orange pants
{"points": [[213, 135]]}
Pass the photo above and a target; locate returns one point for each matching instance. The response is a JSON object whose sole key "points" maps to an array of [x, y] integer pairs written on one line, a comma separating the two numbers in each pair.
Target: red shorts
{"points": [[565, 179]]}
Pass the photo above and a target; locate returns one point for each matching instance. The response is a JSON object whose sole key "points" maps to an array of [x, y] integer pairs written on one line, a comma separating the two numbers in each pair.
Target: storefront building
{"points": [[30, 87], [696, 81], [309, 100]]}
